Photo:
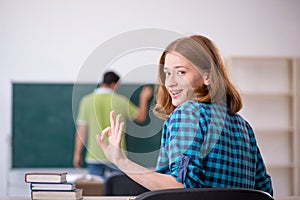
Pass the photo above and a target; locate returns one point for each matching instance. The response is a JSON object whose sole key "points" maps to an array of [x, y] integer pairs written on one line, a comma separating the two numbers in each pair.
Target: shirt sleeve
{"points": [[182, 146], [82, 117], [262, 179]]}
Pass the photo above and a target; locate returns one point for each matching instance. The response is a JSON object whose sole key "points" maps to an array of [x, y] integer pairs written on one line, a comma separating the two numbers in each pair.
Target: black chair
{"points": [[119, 184], [205, 194]]}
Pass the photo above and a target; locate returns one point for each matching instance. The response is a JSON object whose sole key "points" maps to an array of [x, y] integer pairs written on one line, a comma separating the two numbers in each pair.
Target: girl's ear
{"points": [[206, 78]]}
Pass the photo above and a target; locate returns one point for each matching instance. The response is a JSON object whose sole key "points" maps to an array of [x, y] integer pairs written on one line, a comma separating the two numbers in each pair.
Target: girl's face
{"points": [[181, 77]]}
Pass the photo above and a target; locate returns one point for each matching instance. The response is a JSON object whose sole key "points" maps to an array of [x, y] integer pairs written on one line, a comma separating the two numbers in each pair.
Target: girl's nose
{"points": [[171, 81]]}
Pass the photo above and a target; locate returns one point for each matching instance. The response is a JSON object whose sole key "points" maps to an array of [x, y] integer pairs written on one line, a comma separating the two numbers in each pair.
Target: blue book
{"points": [[53, 186]]}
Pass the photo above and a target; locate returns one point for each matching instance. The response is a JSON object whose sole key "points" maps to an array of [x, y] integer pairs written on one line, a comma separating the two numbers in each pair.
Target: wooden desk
{"points": [[84, 198]]}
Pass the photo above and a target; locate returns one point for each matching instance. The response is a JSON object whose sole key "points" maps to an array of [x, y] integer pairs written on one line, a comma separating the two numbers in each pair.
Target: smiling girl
{"points": [[204, 143]]}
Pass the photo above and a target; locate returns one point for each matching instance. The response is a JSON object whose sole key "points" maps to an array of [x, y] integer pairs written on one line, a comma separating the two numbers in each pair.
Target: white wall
{"points": [[49, 40]]}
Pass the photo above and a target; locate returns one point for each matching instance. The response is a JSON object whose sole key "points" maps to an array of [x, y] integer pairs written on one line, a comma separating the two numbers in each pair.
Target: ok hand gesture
{"points": [[112, 149]]}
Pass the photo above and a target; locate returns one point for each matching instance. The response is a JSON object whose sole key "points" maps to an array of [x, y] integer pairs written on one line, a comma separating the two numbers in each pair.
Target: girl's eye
{"points": [[181, 72], [167, 73]]}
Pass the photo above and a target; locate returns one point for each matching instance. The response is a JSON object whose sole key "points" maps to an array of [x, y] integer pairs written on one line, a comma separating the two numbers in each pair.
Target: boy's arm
{"points": [[80, 137], [145, 95]]}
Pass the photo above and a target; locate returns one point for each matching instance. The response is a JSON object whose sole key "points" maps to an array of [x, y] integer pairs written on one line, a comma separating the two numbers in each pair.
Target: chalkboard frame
{"points": [[43, 129]]}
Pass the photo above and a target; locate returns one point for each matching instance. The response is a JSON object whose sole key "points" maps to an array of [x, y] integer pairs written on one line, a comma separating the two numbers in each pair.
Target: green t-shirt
{"points": [[94, 111]]}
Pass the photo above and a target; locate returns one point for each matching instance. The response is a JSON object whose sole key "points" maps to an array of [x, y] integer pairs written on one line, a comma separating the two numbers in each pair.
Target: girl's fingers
{"points": [[118, 119], [116, 127], [117, 124], [105, 132], [112, 119], [120, 132], [101, 142]]}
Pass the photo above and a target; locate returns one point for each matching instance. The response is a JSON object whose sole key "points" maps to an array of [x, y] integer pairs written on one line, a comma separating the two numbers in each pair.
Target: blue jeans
{"points": [[100, 169]]}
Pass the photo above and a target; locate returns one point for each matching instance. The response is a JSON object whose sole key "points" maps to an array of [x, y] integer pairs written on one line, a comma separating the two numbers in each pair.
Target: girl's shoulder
{"points": [[189, 112], [188, 109], [201, 109], [192, 105]]}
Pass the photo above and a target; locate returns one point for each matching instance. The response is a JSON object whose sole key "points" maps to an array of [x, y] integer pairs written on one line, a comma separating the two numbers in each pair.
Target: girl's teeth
{"points": [[175, 92]]}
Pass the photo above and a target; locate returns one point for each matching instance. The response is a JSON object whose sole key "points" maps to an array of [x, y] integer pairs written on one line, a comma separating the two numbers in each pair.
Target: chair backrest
{"points": [[119, 184], [205, 194]]}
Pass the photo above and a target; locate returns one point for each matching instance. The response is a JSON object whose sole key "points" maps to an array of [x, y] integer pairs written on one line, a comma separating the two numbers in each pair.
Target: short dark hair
{"points": [[110, 77]]}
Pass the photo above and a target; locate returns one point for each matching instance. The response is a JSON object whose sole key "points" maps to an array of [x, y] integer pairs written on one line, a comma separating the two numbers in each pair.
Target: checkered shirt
{"points": [[204, 146]]}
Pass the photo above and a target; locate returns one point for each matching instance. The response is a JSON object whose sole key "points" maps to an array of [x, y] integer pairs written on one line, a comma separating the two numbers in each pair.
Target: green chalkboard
{"points": [[43, 125]]}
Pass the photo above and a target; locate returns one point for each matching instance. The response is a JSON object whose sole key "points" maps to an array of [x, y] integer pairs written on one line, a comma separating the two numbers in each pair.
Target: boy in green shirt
{"points": [[93, 117]]}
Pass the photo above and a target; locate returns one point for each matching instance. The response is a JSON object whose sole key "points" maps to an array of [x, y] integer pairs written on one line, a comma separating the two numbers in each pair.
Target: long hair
{"points": [[204, 55]]}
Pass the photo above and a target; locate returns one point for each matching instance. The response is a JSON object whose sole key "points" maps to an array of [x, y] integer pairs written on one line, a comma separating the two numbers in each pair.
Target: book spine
{"points": [[68, 186]]}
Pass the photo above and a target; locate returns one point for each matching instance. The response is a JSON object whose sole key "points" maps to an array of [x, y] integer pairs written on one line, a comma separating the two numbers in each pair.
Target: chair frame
{"points": [[119, 184], [205, 194]]}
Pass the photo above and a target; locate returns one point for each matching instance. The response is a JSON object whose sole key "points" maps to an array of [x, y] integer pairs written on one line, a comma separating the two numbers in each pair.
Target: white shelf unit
{"points": [[296, 77], [270, 89]]}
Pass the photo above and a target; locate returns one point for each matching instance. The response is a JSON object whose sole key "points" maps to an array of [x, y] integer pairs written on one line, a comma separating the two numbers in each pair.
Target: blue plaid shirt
{"points": [[204, 146]]}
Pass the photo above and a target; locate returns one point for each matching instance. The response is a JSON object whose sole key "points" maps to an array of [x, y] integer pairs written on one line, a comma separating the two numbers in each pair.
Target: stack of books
{"points": [[52, 186]]}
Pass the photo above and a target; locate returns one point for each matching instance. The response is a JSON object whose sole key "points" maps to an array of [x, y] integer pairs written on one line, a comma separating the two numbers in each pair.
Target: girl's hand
{"points": [[112, 150]]}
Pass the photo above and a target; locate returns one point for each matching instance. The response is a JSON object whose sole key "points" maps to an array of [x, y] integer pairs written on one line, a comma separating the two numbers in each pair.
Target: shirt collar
{"points": [[103, 91]]}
